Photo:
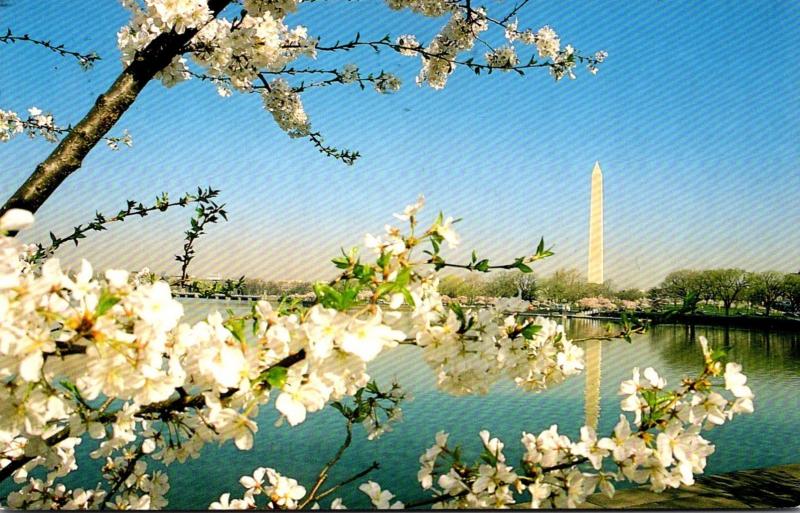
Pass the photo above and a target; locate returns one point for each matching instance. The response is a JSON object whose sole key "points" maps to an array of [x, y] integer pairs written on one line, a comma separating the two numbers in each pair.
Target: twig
{"points": [[323, 474], [133, 208], [375, 466], [207, 213], [86, 60], [513, 12], [125, 473]]}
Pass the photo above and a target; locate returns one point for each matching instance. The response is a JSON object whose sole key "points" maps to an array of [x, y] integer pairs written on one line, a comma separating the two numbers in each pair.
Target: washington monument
{"points": [[595, 273]]}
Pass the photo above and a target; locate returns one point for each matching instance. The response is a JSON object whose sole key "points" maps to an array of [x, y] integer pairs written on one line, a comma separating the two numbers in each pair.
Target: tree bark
{"points": [[68, 156]]}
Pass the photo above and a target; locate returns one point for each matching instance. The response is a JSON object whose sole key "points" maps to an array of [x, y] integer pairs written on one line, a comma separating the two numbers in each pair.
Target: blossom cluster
{"points": [[42, 124], [286, 108], [469, 353], [458, 35], [432, 8], [235, 54], [231, 52], [663, 446], [279, 491], [37, 123], [108, 358]]}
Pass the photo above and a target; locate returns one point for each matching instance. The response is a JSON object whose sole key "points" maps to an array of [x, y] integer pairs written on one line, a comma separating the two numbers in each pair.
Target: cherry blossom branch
{"points": [[161, 410], [39, 123], [483, 265], [68, 156], [513, 12], [470, 63], [86, 60], [433, 500], [208, 212], [133, 208], [121, 477], [349, 157]]}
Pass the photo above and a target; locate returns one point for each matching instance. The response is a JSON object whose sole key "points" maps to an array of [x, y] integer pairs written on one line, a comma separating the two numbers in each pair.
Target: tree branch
{"points": [[68, 156], [375, 466], [180, 403], [161, 204], [86, 60]]}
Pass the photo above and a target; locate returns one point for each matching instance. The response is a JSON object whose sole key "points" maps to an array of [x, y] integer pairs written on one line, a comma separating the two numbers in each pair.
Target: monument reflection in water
{"points": [[594, 348]]}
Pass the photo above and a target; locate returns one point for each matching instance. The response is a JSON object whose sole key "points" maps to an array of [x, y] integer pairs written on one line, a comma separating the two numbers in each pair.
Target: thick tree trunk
{"points": [[69, 154]]}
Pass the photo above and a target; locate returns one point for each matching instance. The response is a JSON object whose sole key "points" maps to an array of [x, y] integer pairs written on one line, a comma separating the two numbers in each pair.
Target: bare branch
{"points": [[86, 60]]}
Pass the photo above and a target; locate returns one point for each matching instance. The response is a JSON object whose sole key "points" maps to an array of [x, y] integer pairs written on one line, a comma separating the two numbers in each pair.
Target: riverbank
{"points": [[733, 321], [771, 487]]}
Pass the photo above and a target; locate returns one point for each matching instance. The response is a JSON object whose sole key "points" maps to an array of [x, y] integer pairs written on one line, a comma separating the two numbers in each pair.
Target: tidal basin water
{"points": [[770, 436]]}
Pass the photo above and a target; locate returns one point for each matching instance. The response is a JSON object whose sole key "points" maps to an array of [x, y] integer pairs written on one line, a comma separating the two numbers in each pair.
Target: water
{"points": [[771, 360], [768, 437]]}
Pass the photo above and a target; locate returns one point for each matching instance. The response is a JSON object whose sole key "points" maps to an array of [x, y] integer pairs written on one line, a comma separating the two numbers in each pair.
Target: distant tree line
{"points": [[248, 287], [769, 289], [563, 286], [725, 287], [502, 284]]}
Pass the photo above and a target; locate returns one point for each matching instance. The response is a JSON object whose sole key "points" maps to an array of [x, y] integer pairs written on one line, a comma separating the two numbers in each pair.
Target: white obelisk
{"points": [[596, 227], [593, 348]]}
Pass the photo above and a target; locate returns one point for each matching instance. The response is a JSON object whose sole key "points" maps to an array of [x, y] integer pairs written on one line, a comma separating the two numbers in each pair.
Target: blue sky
{"points": [[694, 119]]}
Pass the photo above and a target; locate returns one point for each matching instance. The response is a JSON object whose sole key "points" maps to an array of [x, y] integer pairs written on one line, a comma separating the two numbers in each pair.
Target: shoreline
{"points": [[735, 321], [761, 488]]}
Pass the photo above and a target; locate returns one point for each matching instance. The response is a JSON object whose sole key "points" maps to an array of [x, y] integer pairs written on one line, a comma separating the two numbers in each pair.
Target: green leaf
{"points": [[276, 377], [455, 307], [362, 272], [403, 277], [327, 295], [519, 264], [236, 327], [540, 247], [409, 298], [384, 259], [342, 409], [348, 297], [384, 288], [341, 263], [105, 303], [531, 330], [72, 388]]}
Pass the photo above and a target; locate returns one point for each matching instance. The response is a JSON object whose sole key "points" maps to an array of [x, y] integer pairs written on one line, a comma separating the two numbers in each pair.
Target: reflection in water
{"points": [[771, 361], [591, 394], [759, 351]]}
